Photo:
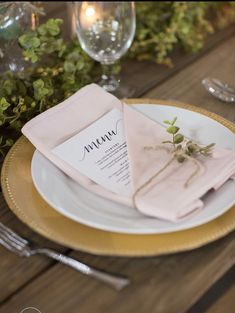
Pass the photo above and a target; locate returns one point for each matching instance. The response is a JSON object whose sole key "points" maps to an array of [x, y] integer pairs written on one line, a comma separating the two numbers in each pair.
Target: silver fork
{"points": [[23, 247]]}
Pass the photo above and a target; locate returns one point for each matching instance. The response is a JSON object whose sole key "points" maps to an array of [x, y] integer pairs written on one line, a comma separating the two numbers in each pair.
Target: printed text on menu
{"points": [[100, 153]]}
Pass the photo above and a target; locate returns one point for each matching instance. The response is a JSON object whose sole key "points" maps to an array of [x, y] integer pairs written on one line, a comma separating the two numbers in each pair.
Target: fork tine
{"points": [[12, 234], [8, 246], [11, 239], [12, 242]]}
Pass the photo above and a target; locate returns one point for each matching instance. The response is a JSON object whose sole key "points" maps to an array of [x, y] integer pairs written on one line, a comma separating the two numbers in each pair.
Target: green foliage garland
{"points": [[61, 70], [161, 26]]}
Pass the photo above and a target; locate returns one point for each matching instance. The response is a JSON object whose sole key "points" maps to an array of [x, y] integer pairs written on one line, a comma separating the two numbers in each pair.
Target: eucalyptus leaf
{"points": [[172, 130], [167, 122], [80, 65], [53, 26], [69, 67], [178, 138], [4, 105], [174, 120]]}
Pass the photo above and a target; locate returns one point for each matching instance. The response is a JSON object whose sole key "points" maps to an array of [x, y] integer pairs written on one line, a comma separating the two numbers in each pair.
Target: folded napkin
{"points": [[166, 196]]}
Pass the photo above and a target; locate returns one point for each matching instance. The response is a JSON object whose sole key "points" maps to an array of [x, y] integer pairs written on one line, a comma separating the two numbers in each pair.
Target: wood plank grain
{"points": [[224, 304], [163, 284], [212, 299]]}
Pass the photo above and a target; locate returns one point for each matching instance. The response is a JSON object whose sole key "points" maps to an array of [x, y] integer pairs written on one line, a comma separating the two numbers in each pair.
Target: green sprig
{"points": [[189, 148]]}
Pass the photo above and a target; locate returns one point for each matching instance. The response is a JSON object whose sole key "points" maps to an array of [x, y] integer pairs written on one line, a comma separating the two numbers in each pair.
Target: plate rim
{"points": [[201, 235]]}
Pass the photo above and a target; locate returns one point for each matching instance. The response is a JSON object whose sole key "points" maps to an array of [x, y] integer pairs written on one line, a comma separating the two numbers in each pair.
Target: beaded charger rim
{"points": [[25, 202]]}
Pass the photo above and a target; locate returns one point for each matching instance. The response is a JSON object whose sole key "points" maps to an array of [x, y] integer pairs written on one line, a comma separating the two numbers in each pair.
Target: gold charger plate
{"points": [[27, 204]]}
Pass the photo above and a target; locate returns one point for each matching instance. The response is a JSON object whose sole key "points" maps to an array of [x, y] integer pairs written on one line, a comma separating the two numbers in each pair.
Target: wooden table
{"points": [[202, 280]]}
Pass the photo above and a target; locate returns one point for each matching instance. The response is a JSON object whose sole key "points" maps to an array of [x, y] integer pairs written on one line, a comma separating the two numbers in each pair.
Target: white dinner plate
{"points": [[72, 200]]}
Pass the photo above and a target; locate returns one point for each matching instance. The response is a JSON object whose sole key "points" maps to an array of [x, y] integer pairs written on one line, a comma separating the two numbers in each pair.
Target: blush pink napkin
{"points": [[166, 198]]}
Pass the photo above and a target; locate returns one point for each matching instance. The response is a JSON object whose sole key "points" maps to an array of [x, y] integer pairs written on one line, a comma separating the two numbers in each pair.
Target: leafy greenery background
{"points": [[56, 69]]}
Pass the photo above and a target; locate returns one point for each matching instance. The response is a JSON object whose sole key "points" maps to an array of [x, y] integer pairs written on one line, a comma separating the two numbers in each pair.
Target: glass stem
{"points": [[108, 81]]}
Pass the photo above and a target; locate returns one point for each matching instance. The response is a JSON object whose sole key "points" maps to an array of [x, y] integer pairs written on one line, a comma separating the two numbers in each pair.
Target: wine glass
{"points": [[106, 31]]}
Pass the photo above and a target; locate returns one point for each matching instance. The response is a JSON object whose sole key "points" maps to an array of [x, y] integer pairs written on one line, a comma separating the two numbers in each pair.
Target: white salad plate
{"points": [[75, 202]]}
